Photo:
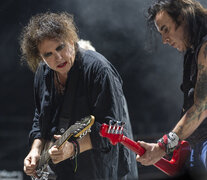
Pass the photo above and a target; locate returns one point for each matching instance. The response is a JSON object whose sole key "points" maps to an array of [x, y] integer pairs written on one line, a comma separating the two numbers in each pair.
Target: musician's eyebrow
{"points": [[47, 54], [60, 47], [162, 27]]}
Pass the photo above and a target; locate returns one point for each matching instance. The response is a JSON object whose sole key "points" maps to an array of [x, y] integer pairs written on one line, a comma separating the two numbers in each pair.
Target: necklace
{"points": [[60, 86]]}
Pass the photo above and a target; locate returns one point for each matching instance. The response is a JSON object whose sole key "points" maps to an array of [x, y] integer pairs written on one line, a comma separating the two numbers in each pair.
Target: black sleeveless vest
{"points": [[188, 86]]}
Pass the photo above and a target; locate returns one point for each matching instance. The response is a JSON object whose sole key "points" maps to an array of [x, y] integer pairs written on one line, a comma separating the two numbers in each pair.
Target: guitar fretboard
{"points": [[45, 157]]}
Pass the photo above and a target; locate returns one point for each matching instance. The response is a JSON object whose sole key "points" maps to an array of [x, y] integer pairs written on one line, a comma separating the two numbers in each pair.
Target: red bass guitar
{"points": [[114, 133]]}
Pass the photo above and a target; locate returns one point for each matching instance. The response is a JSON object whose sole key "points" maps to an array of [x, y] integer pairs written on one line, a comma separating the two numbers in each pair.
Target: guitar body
{"points": [[45, 173], [172, 167], [43, 169], [177, 161]]}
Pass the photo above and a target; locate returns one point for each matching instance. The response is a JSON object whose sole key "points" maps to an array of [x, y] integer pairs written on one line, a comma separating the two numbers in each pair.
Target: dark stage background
{"points": [[117, 29]]}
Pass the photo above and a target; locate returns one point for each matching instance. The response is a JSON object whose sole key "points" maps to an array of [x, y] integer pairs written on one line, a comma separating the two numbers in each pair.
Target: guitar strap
{"points": [[66, 109]]}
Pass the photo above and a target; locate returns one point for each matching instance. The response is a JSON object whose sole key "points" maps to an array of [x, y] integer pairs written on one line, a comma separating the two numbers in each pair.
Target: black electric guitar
{"points": [[78, 130]]}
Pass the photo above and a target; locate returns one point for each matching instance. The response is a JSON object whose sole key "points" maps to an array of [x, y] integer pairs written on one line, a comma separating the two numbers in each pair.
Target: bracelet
{"points": [[77, 152], [76, 149], [169, 142]]}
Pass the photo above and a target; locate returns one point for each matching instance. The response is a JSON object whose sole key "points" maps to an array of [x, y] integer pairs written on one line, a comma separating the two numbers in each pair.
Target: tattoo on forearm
{"points": [[180, 129], [195, 114], [200, 94]]}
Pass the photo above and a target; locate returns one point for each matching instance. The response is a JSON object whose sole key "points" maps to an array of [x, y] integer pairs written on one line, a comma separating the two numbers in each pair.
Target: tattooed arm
{"points": [[198, 112], [192, 118]]}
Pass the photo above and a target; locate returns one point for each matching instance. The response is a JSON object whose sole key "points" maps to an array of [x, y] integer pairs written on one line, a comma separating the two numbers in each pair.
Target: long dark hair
{"points": [[191, 12]]}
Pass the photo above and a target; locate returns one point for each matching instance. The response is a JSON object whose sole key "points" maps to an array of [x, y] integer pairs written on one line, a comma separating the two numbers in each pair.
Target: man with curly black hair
{"points": [[90, 85]]}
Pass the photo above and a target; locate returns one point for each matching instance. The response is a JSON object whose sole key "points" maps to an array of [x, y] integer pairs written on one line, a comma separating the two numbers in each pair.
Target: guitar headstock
{"points": [[113, 131], [78, 130], [82, 127]]}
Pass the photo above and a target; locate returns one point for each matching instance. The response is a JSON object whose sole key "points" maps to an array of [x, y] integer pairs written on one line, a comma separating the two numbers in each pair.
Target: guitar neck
{"points": [[134, 146], [45, 157], [168, 167], [63, 138]]}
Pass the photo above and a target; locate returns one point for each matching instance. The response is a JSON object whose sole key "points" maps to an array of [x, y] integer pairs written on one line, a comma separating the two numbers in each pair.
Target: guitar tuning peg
{"points": [[114, 129], [123, 123], [89, 130], [80, 136], [112, 122], [119, 123], [117, 130]]}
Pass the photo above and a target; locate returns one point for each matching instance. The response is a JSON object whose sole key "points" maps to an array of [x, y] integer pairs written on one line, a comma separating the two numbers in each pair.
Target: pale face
{"points": [[58, 55], [170, 35]]}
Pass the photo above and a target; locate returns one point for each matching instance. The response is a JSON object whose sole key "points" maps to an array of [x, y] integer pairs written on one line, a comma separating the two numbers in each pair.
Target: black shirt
{"points": [[96, 89]]}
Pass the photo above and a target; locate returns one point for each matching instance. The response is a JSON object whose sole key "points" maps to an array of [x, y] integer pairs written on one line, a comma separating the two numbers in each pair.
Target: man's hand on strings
{"points": [[30, 163], [62, 153]]}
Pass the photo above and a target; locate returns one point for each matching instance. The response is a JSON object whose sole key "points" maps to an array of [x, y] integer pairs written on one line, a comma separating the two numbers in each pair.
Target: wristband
{"points": [[76, 149], [169, 142], [77, 152]]}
